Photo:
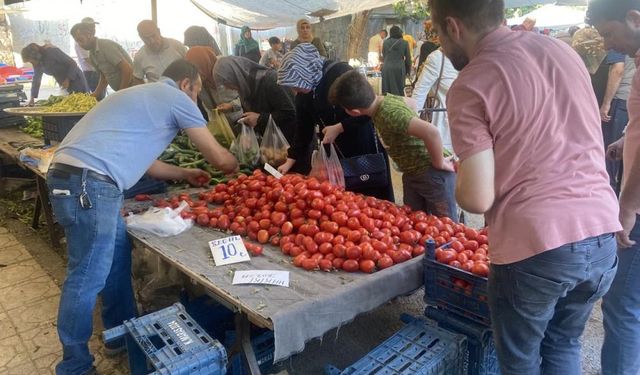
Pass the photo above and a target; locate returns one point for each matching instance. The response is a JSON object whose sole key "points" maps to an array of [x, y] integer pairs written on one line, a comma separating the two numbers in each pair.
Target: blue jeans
{"points": [[621, 310], [432, 191], [539, 306], [99, 262]]}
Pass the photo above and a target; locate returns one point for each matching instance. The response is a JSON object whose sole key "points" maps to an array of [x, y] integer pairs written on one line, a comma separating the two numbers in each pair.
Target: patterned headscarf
{"points": [[301, 68]]}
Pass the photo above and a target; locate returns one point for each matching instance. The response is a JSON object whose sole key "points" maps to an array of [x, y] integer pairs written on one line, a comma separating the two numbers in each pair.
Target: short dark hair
{"points": [[384, 31], [274, 40], [81, 28], [478, 15], [395, 32], [352, 91], [32, 52], [607, 10], [181, 69]]}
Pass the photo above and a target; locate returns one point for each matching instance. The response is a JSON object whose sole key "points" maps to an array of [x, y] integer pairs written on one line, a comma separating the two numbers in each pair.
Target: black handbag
{"points": [[367, 171]]}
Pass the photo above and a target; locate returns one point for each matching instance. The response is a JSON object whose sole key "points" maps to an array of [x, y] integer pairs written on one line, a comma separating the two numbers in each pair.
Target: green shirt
{"points": [[106, 57], [392, 123]]}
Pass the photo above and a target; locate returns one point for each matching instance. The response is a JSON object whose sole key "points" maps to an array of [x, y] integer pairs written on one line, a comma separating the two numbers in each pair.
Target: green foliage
{"points": [[417, 10]]}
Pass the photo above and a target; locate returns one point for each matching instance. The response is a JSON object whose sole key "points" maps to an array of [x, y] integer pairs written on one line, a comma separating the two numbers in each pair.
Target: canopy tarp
{"points": [[266, 14], [552, 16]]}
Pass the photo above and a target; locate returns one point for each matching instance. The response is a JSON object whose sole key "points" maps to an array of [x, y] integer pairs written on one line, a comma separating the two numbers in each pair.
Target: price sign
{"points": [[279, 278], [274, 172], [228, 250]]}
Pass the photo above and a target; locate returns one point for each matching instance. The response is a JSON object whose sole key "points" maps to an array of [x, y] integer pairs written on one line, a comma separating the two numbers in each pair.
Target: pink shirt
{"points": [[529, 98], [632, 133]]}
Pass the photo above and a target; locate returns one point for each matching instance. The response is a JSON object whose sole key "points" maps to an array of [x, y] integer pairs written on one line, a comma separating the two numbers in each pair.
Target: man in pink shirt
{"points": [[526, 127], [618, 21]]}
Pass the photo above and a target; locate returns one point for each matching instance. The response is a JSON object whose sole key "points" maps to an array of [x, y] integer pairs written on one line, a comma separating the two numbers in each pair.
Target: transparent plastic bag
{"points": [[245, 147], [220, 129], [274, 145], [325, 166], [163, 222]]}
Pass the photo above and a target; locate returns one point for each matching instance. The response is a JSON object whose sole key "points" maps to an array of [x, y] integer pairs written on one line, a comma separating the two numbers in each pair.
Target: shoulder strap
{"points": [[426, 102]]}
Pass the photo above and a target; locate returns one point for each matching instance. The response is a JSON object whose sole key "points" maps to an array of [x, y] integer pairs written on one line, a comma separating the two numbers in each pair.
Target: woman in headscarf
{"points": [[310, 76], [213, 96], [199, 36], [52, 61], [305, 36], [396, 62], [260, 94], [247, 46]]}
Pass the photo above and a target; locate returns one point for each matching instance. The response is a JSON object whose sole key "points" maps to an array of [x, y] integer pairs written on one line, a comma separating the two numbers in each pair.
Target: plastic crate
{"points": [[440, 289], [146, 185], [215, 318], [7, 119], [263, 347], [482, 358], [172, 342], [55, 128], [418, 348]]}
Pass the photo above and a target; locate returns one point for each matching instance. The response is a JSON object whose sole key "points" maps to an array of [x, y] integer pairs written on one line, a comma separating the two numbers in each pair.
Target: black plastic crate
{"points": [[57, 127], [7, 119], [263, 345], [146, 185], [455, 290], [482, 358]]}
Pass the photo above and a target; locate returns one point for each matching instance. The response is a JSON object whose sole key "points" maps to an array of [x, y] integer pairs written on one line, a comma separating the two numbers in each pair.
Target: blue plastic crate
{"points": [[172, 342], [263, 347], [442, 288], [482, 359], [418, 348], [146, 185]]}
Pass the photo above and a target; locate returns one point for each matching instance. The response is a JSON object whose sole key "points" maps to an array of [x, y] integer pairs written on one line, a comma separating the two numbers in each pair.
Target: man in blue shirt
{"points": [[105, 153]]}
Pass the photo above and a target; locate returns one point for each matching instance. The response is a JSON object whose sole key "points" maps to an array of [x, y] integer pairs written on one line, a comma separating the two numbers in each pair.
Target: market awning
{"points": [[261, 14]]}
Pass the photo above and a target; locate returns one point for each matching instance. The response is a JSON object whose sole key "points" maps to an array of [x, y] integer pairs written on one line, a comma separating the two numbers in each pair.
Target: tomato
{"points": [[467, 265], [455, 263], [447, 256], [367, 266], [471, 245], [330, 226], [354, 252], [263, 236], [462, 257], [337, 263], [408, 238], [471, 233], [286, 229], [203, 219], [286, 248], [213, 222], [482, 239], [440, 241], [401, 256], [223, 222], [417, 251], [338, 240], [296, 213], [143, 197], [298, 259], [314, 214], [317, 204], [479, 257], [354, 236], [350, 265], [480, 268], [325, 248], [385, 262], [295, 251], [275, 240], [255, 250], [310, 245], [457, 246], [278, 218], [325, 265]]}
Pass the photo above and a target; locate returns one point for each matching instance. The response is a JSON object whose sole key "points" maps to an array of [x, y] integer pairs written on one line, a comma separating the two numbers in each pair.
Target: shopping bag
{"points": [[274, 145], [163, 222], [220, 129], [246, 148], [325, 165]]}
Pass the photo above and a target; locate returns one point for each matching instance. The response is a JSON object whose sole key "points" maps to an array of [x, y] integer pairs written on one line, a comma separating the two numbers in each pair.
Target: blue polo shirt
{"points": [[127, 131]]}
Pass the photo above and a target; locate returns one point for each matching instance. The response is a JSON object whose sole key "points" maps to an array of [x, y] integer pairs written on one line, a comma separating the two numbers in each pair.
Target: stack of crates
{"points": [[419, 347], [171, 342], [10, 97], [459, 304]]}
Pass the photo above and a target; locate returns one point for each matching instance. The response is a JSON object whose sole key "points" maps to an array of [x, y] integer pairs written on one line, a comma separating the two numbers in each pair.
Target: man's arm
{"points": [[215, 154], [126, 74], [629, 200], [475, 190], [101, 87], [164, 171], [430, 135], [616, 71]]}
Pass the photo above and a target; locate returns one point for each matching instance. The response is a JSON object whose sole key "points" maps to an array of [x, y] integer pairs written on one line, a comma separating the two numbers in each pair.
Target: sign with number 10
{"points": [[228, 250]]}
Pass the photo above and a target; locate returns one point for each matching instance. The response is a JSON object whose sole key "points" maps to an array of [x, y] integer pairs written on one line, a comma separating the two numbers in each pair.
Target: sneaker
{"points": [[112, 349]]}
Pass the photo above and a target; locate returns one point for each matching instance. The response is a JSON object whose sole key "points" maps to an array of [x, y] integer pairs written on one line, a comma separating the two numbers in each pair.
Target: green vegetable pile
{"points": [[33, 127], [182, 153]]}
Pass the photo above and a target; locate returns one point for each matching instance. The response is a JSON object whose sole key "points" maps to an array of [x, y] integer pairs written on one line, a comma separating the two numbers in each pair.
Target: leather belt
{"points": [[64, 170]]}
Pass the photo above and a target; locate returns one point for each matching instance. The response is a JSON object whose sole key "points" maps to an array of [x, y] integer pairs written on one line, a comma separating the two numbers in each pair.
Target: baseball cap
{"points": [[89, 20]]}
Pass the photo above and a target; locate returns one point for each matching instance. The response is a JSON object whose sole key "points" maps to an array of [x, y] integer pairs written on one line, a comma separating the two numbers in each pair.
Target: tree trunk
{"points": [[356, 33], [6, 53]]}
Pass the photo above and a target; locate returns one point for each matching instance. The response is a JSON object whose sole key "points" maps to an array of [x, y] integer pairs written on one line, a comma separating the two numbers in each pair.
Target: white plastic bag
{"points": [[163, 222]]}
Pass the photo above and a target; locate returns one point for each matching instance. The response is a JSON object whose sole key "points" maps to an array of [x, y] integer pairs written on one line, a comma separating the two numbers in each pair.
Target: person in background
{"points": [[529, 24], [88, 70], [260, 94], [156, 55], [375, 48], [428, 180], [436, 72], [306, 36], [396, 62], [52, 61], [273, 57], [199, 36], [310, 75], [108, 151], [617, 21], [534, 165], [429, 44], [108, 57], [247, 46], [613, 110], [411, 42], [213, 96]]}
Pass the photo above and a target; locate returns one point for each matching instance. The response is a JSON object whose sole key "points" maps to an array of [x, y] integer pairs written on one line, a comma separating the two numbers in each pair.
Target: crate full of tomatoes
{"points": [[455, 274], [320, 227]]}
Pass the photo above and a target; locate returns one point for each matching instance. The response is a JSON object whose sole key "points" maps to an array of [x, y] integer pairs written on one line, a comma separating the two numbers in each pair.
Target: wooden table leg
{"points": [[43, 194], [243, 337], [37, 210]]}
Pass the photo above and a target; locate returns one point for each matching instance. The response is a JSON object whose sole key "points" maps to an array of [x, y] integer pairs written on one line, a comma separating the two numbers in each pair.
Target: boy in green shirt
{"points": [[427, 175]]}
